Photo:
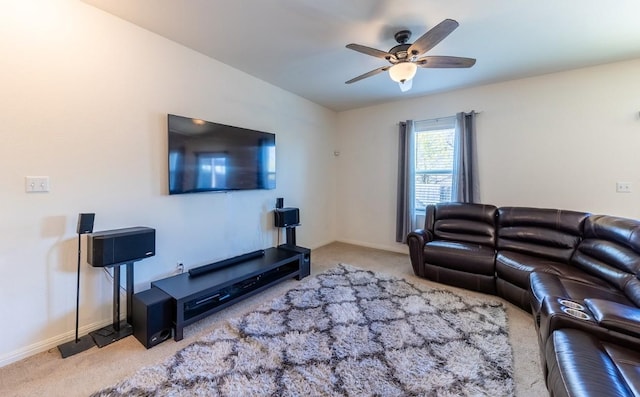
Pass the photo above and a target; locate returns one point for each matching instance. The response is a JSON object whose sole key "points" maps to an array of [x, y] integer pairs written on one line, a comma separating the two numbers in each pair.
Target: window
{"points": [[433, 166], [212, 171]]}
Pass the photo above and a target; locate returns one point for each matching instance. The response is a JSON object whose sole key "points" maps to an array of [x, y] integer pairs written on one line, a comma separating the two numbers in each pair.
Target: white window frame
{"points": [[426, 127]]}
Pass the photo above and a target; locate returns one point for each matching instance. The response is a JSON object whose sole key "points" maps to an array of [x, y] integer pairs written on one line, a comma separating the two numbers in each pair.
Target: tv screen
{"points": [[206, 156]]}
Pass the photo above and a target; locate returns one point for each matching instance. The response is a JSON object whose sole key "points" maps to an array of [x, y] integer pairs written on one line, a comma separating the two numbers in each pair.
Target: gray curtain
{"points": [[405, 202], [465, 182]]}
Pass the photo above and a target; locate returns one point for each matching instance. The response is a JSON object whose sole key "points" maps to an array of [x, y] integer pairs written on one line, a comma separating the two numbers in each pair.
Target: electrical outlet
{"points": [[623, 187], [180, 268]]}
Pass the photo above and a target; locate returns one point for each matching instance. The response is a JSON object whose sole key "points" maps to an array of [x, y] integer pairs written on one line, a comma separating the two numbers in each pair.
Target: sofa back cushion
{"points": [[463, 222], [542, 232], [610, 250]]}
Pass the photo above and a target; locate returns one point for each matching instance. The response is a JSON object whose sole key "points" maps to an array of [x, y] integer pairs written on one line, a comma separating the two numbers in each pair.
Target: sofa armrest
{"points": [[615, 316], [416, 241], [423, 235]]}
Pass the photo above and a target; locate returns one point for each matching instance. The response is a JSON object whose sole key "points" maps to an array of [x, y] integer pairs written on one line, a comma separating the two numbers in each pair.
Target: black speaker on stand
{"points": [[114, 248], [85, 225], [289, 218]]}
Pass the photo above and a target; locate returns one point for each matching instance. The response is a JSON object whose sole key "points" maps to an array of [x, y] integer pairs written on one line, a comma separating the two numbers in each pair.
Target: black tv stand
{"points": [[223, 284]]}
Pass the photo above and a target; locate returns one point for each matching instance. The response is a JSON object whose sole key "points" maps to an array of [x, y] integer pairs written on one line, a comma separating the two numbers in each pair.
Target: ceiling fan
{"points": [[405, 59]]}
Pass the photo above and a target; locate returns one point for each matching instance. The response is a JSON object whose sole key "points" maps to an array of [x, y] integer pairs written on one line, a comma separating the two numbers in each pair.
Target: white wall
{"points": [[84, 99], [558, 141]]}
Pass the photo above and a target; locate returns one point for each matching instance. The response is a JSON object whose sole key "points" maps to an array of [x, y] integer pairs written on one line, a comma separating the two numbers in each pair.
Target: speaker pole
{"points": [[129, 292], [116, 299], [86, 342], [118, 329], [291, 236]]}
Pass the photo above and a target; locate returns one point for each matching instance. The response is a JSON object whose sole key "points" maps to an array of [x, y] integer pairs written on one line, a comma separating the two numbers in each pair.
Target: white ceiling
{"points": [[299, 45]]}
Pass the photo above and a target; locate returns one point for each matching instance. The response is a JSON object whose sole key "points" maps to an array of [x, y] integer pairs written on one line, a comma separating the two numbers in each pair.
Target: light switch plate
{"points": [[36, 184]]}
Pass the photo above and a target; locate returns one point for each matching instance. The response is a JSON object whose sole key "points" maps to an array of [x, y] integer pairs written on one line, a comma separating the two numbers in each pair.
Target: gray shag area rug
{"points": [[347, 331]]}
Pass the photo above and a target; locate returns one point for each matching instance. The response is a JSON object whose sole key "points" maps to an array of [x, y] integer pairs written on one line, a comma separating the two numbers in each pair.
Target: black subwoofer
{"points": [[114, 247], [152, 317]]}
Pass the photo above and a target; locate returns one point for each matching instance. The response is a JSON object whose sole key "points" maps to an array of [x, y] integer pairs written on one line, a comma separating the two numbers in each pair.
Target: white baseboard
{"points": [[316, 246], [399, 248], [50, 343]]}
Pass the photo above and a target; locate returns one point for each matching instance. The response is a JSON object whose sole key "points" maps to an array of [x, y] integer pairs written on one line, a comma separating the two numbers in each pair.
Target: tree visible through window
{"points": [[433, 162]]}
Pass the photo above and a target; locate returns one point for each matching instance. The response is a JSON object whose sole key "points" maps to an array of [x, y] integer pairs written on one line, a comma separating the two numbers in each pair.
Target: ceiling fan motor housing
{"points": [[402, 36], [400, 52]]}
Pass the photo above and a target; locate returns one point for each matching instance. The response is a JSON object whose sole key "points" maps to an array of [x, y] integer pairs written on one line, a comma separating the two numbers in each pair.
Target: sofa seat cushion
{"points": [[577, 289], [615, 316], [465, 257], [579, 364], [516, 267]]}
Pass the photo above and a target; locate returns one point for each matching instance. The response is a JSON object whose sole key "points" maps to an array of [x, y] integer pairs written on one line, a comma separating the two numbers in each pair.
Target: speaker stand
{"points": [[79, 344], [112, 333], [291, 235], [118, 329], [76, 346]]}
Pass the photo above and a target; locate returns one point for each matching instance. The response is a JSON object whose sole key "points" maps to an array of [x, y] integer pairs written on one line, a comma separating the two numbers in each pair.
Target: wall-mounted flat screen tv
{"points": [[206, 156]]}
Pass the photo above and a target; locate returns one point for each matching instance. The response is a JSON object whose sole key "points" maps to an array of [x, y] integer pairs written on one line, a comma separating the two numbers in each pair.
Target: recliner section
{"points": [[582, 365], [457, 246], [576, 273], [533, 239]]}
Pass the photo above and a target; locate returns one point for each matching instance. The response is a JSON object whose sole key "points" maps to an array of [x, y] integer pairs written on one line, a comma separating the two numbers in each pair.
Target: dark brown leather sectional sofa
{"points": [[576, 273]]}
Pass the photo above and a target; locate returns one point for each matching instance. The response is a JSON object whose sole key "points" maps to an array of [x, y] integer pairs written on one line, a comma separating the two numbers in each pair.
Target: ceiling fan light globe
{"points": [[405, 85], [403, 71]]}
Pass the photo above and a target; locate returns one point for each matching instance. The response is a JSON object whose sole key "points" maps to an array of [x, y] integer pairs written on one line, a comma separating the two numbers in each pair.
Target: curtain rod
{"points": [[446, 117], [454, 115]]}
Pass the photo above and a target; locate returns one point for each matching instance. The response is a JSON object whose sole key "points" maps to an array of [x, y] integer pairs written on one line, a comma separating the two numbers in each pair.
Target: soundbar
{"points": [[200, 270]]}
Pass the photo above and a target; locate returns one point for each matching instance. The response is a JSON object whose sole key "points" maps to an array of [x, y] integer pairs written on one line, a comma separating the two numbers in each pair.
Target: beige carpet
{"points": [[46, 374]]}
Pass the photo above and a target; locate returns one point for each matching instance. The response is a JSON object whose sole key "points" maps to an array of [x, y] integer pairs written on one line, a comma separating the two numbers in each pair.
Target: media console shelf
{"points": [[200, 296]]}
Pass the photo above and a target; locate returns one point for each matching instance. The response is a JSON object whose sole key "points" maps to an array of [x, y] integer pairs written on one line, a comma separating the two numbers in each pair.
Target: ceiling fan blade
{"points": [[370, 51], [445, 62], [429, 40], [368, 74]]}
